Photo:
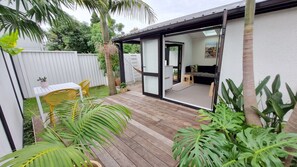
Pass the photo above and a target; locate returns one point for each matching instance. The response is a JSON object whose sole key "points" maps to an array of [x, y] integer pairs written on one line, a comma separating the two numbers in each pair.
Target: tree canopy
{"points": [[72, 36]]}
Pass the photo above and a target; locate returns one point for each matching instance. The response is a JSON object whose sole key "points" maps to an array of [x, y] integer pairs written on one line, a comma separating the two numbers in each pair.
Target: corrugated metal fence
{"points": [[65, 66]]}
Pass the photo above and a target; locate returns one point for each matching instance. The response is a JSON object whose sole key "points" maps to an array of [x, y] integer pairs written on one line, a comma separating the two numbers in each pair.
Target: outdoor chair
{"points": [[57, 97], [85, 85]]}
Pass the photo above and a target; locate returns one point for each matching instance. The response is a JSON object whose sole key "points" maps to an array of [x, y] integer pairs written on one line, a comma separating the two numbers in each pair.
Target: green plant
{"points": [[227, 141], [80, 128], [233, 95], [8, 43], [42, 79], [123, 85], [275, 109], [114, 61]]}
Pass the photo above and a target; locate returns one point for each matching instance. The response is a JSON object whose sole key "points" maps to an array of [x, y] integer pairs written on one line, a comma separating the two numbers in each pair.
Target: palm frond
{"points": [[133, 9], [95, 123], [261, 147], [12, 21], [46, 154], [196, 147]]}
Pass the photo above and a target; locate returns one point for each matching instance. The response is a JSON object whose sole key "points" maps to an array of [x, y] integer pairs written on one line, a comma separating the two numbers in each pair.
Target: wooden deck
{"points": [[148, 139]]}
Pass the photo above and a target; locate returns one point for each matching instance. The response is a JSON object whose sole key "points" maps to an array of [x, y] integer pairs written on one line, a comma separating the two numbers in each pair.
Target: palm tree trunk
{"points": [[252, 118], [105, 34], [291, 127]]}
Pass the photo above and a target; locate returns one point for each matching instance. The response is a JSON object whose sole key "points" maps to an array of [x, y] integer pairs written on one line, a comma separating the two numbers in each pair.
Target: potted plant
{"points": [[123, 87], [43, 82], [80, 129]]}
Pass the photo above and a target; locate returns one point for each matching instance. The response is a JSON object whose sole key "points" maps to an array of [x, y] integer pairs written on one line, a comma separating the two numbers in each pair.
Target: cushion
{"points": [[193, 68]]}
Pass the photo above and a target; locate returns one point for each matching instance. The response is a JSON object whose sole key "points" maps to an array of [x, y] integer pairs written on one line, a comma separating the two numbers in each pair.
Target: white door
{"points": [[150, 66]]}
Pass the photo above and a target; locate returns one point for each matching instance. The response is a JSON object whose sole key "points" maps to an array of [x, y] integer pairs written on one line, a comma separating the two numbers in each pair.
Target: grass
{"points": [[31, 109]]}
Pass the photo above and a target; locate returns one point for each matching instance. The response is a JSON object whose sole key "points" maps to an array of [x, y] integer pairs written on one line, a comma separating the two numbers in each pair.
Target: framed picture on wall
{"points": [[211, 49]]}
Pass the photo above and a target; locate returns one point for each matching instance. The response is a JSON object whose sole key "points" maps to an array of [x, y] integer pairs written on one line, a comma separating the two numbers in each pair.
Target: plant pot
{"points": [[117, 81], [123, 90], [44, 84]]}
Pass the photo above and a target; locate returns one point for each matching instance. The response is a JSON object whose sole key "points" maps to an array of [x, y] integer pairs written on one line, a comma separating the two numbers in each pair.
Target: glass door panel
{"points": [[150, 66]]}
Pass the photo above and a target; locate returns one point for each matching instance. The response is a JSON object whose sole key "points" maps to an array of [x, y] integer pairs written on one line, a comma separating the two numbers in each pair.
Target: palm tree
{"points": [[81, 128], [251, 116], [130, 8], [291, 127], [27, 22]]}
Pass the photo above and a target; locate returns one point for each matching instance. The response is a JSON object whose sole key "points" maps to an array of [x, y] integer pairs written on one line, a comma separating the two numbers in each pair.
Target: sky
{"points": [[164, 9]]}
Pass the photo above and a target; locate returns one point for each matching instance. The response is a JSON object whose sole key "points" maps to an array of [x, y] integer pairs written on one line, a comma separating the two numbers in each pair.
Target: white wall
{"points": [[199, 51], [10, 108], [186, 50], [275, 51]]}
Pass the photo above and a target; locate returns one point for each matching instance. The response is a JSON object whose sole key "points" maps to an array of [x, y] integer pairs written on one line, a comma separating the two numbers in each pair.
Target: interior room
{"points": [[189, 67]]}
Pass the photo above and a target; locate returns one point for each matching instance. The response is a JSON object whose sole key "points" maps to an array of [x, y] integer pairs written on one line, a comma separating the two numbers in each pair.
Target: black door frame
{"points": [[220, 58], [179, 61]]}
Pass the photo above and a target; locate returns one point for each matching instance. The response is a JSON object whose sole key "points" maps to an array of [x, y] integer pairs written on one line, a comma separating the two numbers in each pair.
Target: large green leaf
{"points": [[195, 147], [261, 147], [234, 89], [276, 84], [262, 84], [8, 43], [225, 94], [277, 109], [291, 94], [223, 119]]}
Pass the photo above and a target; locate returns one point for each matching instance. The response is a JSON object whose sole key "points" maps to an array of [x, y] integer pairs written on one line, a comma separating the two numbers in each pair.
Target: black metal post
{"points": [[6, 129], [122, 63]]}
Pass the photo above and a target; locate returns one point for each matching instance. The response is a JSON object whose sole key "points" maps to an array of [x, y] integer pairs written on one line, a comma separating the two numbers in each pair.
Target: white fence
{"points": [[58, 67], [65, 66], [132, 60]]}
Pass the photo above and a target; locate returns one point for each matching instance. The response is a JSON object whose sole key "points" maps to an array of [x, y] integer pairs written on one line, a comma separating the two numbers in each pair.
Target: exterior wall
{"points": [[274, 49], [187, 49], [199, 51], [9, 104]]}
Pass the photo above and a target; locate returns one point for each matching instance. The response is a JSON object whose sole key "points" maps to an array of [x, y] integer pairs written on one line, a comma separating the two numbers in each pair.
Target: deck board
{"points": [[148, 139]]}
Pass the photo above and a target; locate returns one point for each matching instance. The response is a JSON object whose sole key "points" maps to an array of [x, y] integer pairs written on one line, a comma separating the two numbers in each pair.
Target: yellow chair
{"points": [[85, 87], [57, 97]]}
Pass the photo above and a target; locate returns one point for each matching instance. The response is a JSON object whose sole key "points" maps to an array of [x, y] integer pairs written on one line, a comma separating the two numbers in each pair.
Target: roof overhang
{"points": [[205, 20]]}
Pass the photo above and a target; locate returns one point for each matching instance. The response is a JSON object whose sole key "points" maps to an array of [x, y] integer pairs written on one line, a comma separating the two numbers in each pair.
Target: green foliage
{"points": [[123, 85], [115, 62], [235, 99], [8, 43], [94, 18], [31, 109], [131, 48], [198, 148], [227, 141], [275, 109], [74, 36], [12, 19], [81, 126]]}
